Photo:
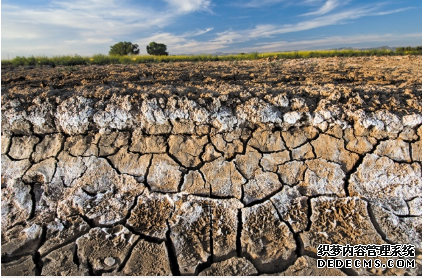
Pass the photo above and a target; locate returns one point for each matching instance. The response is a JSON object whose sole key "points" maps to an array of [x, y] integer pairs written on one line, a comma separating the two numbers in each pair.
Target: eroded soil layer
{"points": [[216, 168]]}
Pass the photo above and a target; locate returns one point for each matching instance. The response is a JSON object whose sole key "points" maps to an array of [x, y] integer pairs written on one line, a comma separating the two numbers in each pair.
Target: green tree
{"points": [[154, 48], [124, 48]]}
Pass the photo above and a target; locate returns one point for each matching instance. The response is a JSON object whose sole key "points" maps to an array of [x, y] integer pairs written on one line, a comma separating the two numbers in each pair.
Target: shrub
{"points": [[124, 48], [154, 48], [100, 59]]}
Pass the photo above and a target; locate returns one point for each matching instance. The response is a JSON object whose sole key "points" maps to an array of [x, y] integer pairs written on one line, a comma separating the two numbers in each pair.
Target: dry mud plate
{"points": [[215, 168]]}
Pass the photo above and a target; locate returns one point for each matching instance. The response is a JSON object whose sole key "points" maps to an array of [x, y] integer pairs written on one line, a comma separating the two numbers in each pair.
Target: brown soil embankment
{"points": [[215, 168]]}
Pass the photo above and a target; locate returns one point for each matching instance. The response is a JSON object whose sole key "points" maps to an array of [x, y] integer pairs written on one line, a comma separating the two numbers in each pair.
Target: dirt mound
{"points": [[215, 168]]}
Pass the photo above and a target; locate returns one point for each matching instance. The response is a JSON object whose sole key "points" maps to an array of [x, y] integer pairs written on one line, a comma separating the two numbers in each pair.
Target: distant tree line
{"points": [[129, 58], [417, 49]]}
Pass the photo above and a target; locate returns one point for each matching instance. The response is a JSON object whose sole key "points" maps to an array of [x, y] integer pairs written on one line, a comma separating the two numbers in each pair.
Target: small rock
{"points": [[397, 150], [11, 169], [333, 149], [110, 261], [60, 262], [5, 143], [59, 232], [131, 163], [164, 174], [292, 207], [223, 178], [415, 206], [41, 172], [150, 215], [148, 259], [48, 147], [292, 172], [267, 141], [100, 245], [21, 240], [248, 163], [193, 183], [187, 149], [266, 239], [24, 266], [296, 137], [261, 186], [303, 152], [228, 148], [322, 177], [110, 142], [270, 161], [16, 204], [22, 147], [210, 153]]}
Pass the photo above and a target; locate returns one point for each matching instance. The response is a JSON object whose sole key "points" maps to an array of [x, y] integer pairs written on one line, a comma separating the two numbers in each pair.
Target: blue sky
{"points": [[87, 27]]}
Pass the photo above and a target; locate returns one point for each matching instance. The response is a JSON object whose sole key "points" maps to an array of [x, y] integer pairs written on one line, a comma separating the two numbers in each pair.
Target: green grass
{"points": [[101, 59]]}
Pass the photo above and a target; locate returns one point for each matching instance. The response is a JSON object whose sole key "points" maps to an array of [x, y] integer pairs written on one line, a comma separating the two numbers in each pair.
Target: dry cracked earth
{"points": [[213, 168]]}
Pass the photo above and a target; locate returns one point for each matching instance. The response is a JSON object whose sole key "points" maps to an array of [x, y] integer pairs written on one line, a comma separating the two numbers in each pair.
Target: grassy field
{"points": [[101, 59]]}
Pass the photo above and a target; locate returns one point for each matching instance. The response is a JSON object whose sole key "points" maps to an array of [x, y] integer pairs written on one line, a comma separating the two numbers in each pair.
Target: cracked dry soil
{"points": [[213, 168]]}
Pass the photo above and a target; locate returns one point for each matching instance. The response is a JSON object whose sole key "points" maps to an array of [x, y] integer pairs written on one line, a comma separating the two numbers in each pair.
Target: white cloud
{"points": [[331, 41], [284, 3], [87, 19], [259, 4], [270, 30], [179, 44], [326, 8], [393, 11], [197, 32], [188, 6], [223, 41], [92, 24], [87, 27]]}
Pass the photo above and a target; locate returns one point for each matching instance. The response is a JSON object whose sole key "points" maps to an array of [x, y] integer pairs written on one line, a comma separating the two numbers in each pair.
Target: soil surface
{"points": [[211, 168], [392, 83]]}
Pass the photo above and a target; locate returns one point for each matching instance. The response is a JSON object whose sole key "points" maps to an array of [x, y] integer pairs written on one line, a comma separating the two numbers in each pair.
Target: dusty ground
{"points": [[214, 168]]}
